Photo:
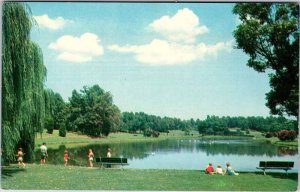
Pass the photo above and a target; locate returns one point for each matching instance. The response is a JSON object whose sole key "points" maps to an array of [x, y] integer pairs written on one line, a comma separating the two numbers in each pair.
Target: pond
{"points": [[195, 154]]}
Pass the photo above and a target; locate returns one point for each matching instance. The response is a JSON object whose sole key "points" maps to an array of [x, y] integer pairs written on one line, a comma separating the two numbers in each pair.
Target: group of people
{"points": [[229, 171], [44, 155], [20, 155], [91, 156]]}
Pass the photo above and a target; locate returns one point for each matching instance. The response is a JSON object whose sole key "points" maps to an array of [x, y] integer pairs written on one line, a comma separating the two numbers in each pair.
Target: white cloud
{"points": [[161, 52], [78, 49], [45, 22], [184, 26]]}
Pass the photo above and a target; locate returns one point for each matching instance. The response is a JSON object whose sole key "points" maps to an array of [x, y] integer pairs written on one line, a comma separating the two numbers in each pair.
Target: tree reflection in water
{"points": [[141, 150]]}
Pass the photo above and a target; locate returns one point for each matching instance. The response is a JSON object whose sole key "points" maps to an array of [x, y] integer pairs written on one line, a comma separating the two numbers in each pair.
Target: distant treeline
{"points": [[212, 125], [91, 111]]}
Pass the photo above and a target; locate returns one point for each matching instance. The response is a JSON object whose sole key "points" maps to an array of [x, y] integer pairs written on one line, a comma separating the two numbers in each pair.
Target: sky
{"points": [[165, 59]]}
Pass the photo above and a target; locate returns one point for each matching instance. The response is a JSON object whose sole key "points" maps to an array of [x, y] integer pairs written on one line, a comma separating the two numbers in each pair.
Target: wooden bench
{"points": [[111, 161], [285, 165]]}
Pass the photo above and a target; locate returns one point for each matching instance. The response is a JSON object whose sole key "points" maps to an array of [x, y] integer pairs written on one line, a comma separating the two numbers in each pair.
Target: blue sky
{"points": [[166, 59]]}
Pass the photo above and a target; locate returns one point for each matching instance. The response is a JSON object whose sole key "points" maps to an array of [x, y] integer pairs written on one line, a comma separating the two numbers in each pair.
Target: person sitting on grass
{"points": [[229, 170], [209, 169], [219, 170], [20, 155]]}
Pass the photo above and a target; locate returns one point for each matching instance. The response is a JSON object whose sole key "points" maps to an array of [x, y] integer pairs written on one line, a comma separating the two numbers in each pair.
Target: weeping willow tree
{"points": [[23, 75]]}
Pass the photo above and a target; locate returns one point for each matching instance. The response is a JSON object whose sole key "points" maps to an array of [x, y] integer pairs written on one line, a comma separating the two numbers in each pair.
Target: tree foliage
{"points": [[23, 75], [269, 34], [286, 135], [134, 122], [92, 112], [55, 110], [214, 125]]}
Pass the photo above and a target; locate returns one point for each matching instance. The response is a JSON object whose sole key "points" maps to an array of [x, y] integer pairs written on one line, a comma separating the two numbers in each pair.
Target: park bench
{"points": [[285, 165], [111, 161]]}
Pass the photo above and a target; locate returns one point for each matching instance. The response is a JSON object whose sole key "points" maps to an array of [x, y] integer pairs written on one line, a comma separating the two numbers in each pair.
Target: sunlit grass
{"points": [[75, 139], [47, 177]]}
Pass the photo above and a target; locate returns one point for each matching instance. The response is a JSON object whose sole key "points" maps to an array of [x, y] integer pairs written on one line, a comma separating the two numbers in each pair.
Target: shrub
{"points": [[155, 134], [62, 130], [49, 125], [150, 132], [147, 132], [269, 135], [285, 135]]}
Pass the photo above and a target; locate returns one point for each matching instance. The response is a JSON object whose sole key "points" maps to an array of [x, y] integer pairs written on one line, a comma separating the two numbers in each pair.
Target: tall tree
{"points": [[92, 112], [23, 74], [55, 110], [269, 34]]}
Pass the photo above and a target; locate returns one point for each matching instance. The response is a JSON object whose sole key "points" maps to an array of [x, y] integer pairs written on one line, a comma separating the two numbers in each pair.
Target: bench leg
{"points": [[264, 171]]}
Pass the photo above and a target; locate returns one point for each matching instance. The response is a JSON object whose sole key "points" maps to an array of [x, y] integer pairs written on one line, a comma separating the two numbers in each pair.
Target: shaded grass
{"points": [[49, 177]]}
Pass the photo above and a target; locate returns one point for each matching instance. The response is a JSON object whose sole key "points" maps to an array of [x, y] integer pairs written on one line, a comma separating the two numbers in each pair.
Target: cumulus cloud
{"points": [[78, 49], [162, 52], [184, 26], [46, 22]]}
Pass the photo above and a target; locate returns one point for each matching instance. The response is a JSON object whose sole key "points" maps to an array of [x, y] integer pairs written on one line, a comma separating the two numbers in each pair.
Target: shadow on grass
{"points": [[8, 171], [292, 176]]}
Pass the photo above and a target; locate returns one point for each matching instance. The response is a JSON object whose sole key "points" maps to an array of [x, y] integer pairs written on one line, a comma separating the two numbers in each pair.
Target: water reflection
{"points": [[148, 154]]}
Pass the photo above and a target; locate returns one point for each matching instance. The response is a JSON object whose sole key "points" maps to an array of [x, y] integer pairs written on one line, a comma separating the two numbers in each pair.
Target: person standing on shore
{"points": [[66, 157], [44, 153], [108, 152], [20, 155], [91, 157]]}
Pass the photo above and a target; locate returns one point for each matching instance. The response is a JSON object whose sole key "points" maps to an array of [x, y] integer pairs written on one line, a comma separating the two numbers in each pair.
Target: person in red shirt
{"points": [[66, 157], [209, 169]]}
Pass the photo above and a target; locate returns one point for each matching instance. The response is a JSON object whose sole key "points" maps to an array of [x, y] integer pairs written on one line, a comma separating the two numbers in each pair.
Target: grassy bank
{"points": [[38, 177], [274, 140], [75, 139]]}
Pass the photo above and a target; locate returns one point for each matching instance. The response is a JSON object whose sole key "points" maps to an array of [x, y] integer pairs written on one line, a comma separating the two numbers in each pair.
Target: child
{"points": [[20, 155], [229, 170], [91, 157], [66, 157], [219, 170], [108, 152], [209, 169]]}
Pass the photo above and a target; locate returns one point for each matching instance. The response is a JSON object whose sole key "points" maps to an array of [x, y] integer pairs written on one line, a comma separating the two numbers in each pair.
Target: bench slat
{"points": [[285, 165], [276, 164], [111, 161]]}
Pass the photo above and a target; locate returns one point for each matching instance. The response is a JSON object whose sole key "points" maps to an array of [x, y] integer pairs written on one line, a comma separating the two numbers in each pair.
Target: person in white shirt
{"points": [[44, 153], [219, 170], [108, 152]]}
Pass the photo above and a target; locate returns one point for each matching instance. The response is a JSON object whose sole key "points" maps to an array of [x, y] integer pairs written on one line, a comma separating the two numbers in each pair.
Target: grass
{"points": [[75, 139], [274, 140], [51, 177]]}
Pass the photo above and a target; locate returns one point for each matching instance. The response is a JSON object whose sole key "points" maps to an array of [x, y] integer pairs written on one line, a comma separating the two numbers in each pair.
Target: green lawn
{"points": [[51, 177], [75, 139], [274, 140]]}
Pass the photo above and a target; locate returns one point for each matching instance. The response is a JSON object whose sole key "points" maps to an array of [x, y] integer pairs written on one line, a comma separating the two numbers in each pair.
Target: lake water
{"points": [[243, 154]]}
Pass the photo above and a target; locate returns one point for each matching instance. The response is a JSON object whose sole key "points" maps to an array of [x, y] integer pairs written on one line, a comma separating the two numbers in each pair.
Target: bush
{"points": [[150, 132], [62, 130], [285, 135], [49, 125], [269, 135], [147, 132]]}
